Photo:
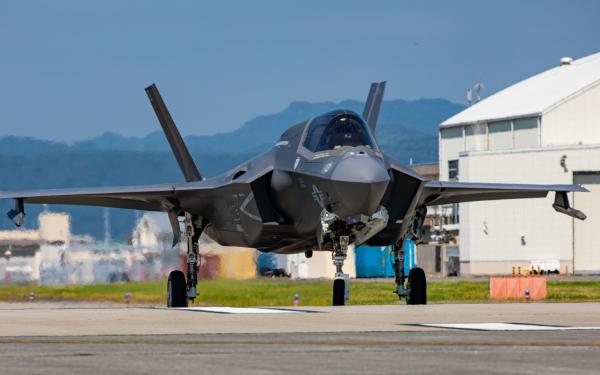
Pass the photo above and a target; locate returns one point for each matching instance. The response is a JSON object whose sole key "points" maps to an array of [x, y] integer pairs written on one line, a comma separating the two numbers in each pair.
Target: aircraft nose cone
{"points": [[360, 182]]}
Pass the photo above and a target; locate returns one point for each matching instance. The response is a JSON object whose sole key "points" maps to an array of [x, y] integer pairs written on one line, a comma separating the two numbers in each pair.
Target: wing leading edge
{"points": [[162, 197], [446, 192]]}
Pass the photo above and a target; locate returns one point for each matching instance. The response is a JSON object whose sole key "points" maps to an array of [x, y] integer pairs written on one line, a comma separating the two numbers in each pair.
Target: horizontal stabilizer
{"points": [[182, 154]]}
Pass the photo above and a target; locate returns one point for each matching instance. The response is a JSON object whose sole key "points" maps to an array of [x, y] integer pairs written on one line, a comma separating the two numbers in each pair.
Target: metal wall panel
{"points": [[526, 132], [476, 137], [500, 135], [575, 121]]}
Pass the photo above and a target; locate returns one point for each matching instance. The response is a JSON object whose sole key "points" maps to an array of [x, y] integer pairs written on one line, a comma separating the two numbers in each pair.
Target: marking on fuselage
{"points": [[301, 183], [296, 163], [245, 204], [321, 155], [318, 196], [234, 206], [282, 143]]}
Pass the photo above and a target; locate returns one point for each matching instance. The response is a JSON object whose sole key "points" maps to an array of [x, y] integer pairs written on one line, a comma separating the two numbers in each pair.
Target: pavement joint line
{"points": [[461, 342]]}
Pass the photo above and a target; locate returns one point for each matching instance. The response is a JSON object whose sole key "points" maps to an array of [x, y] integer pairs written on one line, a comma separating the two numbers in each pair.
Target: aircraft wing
{"points": [[164, 197], [445, 192], [150, 197]]}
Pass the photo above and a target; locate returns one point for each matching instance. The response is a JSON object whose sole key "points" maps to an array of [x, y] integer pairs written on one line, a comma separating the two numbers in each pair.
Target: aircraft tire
{"points": [[417, 287], [339, 292], [176, 290]]}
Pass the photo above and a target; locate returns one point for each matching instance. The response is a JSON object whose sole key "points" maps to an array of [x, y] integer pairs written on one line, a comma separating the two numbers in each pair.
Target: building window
{"points": [[453, 170]]}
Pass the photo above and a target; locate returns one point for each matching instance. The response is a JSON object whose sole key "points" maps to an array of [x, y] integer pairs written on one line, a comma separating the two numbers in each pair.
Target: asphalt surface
{"points": [[56, 338]]}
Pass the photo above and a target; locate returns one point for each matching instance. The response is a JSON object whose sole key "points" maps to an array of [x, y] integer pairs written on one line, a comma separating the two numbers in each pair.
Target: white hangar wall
{"points": [[496, 235], [574, 121]]}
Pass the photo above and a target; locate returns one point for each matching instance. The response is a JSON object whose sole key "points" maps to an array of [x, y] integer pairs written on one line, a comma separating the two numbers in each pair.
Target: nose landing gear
{"points": [[341, 284]]}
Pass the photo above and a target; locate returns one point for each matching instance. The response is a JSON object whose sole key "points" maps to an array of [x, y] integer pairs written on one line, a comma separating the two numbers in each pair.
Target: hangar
{"points": [[544, 129]]}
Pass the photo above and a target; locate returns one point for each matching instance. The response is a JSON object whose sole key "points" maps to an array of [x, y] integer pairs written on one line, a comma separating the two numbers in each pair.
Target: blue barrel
{"points": [[373, 261]]}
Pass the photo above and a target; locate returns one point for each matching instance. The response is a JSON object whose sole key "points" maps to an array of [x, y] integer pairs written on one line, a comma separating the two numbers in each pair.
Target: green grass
{"points": [[280, 292], [574, 291]]}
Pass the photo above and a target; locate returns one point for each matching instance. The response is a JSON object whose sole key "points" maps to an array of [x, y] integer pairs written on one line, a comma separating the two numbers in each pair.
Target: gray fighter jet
{"points": [[323, 186]]}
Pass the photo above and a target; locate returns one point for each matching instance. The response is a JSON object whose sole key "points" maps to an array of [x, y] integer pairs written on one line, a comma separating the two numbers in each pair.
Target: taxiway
{"points": [[449, 338]]}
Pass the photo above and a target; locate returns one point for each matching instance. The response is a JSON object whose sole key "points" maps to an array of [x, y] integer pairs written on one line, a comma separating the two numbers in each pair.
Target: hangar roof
{"points": [[535, 95]]}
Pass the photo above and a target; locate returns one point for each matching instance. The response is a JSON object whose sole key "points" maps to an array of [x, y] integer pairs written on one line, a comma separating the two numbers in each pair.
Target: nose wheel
{"points": [[339, 292]]}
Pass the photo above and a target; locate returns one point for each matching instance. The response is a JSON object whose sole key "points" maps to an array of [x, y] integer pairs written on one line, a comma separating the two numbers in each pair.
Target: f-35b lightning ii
{"points": [[323, 186]]}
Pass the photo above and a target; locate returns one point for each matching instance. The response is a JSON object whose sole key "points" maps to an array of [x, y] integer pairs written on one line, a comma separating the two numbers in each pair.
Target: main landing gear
{"points": [[341, 284], [415, 290], [180, 291]]}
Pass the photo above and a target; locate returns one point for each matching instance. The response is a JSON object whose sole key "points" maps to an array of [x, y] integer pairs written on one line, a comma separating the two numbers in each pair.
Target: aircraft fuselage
{"points": [[284, 210]]}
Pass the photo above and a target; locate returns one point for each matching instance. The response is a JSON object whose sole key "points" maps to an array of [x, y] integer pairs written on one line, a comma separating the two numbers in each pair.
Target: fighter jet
{"points": [[323, 186]]}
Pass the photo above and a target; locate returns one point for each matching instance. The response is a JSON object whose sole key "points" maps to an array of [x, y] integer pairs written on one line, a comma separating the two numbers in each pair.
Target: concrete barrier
{"points": [[518, 287]]}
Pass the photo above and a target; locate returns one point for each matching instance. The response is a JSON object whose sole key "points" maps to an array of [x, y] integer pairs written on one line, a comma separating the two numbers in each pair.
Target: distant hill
{"points": [[407, 129]]}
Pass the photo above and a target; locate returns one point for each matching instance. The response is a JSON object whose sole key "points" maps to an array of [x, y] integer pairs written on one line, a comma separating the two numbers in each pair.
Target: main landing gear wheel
{"points": [[339, 292], [176, 290], [417, 287]]}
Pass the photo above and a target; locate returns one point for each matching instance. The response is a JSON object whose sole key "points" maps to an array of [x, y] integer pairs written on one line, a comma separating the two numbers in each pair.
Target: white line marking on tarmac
{"points": [[507, 327], [237, 310]]}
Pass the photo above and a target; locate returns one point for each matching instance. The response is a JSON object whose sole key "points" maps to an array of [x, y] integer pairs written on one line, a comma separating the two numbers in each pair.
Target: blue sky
{"points": [[72, 69]]}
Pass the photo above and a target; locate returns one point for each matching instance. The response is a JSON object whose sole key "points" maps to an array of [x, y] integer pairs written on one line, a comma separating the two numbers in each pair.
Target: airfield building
{"points": [[546, 130]]}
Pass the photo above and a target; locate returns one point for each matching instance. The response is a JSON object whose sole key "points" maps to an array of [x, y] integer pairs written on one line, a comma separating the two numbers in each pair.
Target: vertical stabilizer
{"points": [[373, 104], [181, 152]]}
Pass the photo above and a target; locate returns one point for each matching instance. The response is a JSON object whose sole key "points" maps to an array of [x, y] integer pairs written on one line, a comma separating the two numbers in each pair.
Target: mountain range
{"points": [[407, 130]]}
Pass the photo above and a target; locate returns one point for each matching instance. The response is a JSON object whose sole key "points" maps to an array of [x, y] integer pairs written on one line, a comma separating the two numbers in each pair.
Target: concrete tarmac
{"points": [[83, 338]]}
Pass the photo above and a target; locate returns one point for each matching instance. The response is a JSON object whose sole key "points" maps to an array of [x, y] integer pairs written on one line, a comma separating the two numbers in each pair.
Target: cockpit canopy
{"points": [[337, 129]]}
